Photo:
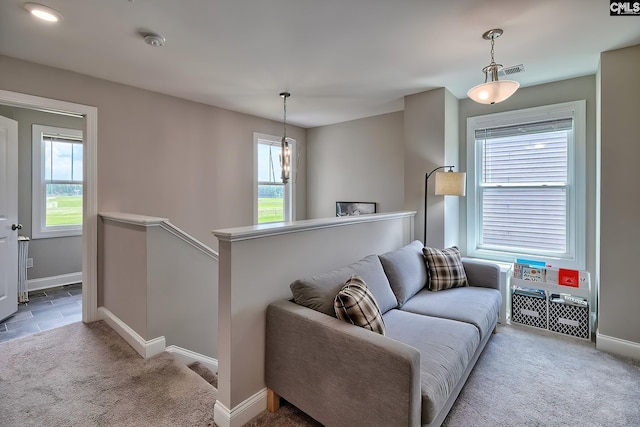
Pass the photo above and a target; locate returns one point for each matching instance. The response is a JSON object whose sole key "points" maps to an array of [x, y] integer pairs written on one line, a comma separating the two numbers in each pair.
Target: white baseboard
{"points": [[188, 357], [241, 414], [144, 348], [618, 346], [53, 281]]}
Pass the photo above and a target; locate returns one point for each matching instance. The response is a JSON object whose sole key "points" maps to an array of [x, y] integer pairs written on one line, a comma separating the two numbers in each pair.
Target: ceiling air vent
{"points": [[507, 71]]}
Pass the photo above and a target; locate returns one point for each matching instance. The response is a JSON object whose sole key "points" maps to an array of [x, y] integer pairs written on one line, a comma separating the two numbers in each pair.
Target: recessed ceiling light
{"points": [[43, 12]]}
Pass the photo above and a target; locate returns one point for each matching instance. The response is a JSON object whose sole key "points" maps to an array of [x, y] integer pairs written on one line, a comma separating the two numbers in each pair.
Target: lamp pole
{"points": [[426, 180]]}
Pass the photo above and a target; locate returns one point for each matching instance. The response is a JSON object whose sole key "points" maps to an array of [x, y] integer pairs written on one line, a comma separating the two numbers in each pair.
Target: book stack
{"points": [[538, 271]]}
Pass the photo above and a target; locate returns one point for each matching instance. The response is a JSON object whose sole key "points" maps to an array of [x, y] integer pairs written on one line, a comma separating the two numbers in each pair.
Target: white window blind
{"points": [[524, 185]]}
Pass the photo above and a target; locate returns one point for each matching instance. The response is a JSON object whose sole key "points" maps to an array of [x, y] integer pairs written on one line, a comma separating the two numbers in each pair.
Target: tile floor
{"points": [[46, 309]]}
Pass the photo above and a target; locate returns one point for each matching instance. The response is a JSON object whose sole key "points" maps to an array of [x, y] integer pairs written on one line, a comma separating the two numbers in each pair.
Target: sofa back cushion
{"points": [[406, 270], [318, 292]]}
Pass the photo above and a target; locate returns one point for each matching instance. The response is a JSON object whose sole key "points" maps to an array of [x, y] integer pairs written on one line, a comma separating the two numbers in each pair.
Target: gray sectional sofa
{"points": [[345, 375]]}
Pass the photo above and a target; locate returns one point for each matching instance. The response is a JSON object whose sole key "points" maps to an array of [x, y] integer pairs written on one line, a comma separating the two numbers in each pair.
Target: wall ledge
{"points": [[274, 229], [133, 219]]}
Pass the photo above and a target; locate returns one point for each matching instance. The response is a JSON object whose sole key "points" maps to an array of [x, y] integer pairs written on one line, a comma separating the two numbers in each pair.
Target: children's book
{"points": [[533, 274], [568, 277]]}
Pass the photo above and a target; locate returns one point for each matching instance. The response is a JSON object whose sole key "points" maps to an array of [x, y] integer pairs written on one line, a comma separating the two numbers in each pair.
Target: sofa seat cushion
{"points": [[318, 292], [446, 347], [406, 270], [477, 306]]}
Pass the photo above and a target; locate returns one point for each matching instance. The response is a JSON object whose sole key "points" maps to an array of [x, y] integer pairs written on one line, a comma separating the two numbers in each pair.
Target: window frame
{"points": [[39, 229], [289, 187], [575, 255]]}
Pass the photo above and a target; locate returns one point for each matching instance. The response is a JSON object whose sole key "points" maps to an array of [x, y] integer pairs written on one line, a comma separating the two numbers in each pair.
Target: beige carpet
{"points": [[86, 375], [527, 377]]}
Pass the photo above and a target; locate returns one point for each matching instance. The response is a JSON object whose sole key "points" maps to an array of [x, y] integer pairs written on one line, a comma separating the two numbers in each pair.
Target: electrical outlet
{"points": [[29, 262]]}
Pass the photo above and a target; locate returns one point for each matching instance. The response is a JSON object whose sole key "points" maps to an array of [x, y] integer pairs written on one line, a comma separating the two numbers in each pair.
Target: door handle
{"points": [[16, 227]]}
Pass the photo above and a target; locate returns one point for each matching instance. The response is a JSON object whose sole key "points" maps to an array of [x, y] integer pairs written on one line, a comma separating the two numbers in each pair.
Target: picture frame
{"points": [[355, 208]]}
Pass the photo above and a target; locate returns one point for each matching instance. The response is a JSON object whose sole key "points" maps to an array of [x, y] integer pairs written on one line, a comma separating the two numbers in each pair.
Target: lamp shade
{"points": [[451, 183], [493, 92]]}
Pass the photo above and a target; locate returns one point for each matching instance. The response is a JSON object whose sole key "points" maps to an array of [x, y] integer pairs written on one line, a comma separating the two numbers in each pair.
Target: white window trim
{"points": [[39, 230], [576, 216], [289, 187]]}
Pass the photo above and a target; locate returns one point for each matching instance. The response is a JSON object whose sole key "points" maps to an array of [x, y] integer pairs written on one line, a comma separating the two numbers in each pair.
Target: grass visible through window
{"points": [[64, 210], [270, 209]]}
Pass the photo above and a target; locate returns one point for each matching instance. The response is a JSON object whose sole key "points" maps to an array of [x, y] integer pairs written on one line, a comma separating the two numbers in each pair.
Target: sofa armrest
{"points": [[338, 373], [481, 273]]}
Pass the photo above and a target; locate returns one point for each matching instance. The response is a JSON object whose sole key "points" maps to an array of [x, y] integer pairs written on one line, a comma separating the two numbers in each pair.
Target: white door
{"points": [[8, 217]]}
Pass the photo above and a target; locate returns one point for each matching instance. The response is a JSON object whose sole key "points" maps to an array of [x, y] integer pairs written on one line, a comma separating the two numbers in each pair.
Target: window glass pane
{"points": [[77, 162], [61, 160], [270, 203], [524, 218], [269, 162], [64, 204]]}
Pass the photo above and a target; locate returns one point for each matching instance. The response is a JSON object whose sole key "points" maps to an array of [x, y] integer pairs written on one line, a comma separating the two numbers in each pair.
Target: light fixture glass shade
{"points": [[43, 12], [451, 183], [493, 92], [285, 160]]}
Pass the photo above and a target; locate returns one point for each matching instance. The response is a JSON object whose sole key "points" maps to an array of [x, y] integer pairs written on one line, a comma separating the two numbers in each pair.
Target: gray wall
{"points": [[163, 156], [431, 141], [51, 256], [360, 160], [619, 205]]}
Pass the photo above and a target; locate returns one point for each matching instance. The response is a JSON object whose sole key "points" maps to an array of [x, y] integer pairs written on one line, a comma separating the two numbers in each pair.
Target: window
{"points": [[527, 191], [57, 182], [273, 200]]}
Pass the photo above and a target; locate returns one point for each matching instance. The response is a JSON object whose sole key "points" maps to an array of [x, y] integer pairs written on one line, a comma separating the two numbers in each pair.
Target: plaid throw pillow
{"points": [[355, 304], [445, 268]]}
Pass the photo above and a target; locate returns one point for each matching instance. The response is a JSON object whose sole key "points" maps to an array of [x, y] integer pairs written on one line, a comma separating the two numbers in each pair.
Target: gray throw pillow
{"points": [[356, 305], [445, 268]]}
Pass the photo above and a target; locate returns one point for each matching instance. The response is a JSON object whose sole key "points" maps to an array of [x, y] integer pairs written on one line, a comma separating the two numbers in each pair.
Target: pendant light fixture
{"points": [[495, 90], [285, 155]]}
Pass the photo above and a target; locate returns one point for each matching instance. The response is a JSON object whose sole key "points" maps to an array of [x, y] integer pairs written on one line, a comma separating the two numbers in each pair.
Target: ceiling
{"points": [[340, 59]]}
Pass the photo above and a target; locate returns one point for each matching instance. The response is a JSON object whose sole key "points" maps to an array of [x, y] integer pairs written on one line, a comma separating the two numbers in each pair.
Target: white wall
{"points": [[360, 161], [619, 204]]}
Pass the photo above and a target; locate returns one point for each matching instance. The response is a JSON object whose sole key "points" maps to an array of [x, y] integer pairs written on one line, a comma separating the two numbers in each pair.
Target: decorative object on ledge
{"points": [[285, 155], [495, 90], [355, 208], [448, 183]]}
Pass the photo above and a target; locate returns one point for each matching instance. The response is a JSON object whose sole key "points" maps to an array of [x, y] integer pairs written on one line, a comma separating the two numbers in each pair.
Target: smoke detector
{"points": [[154, 40]]}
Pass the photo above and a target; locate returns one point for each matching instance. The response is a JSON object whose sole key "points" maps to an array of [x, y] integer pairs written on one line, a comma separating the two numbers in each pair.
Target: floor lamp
{"points": [[448, 183]]}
